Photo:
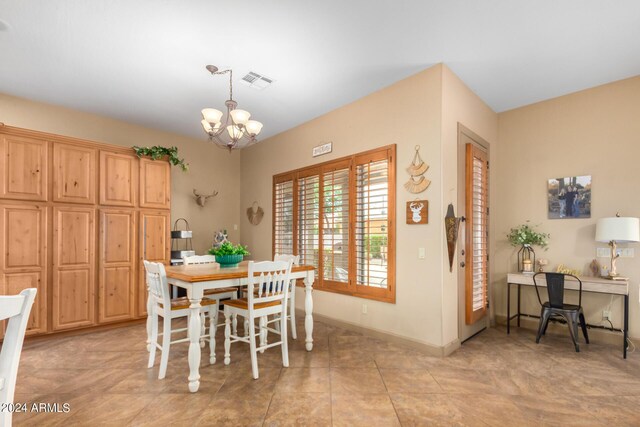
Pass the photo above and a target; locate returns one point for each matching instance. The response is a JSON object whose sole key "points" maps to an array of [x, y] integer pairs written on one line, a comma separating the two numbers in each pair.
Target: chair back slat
{"points": [[157, 284], [17, 309], [269, 280], [555, 288], [198, 259]]}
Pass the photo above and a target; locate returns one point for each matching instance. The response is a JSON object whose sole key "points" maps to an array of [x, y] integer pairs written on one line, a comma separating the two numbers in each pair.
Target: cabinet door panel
{"points": [[155, 184], [24, 238], [74, 268], [23, 231], [14, 283], [154, 246], [118, 179], [23, 168], [117, 265], [74, 177]]}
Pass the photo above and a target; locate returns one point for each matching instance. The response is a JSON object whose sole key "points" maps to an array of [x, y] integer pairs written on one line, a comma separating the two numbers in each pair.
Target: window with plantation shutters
{"points": [[335, 225], [283, 217], [476, 234], [372, 222], [308, 220], [342, 222]]}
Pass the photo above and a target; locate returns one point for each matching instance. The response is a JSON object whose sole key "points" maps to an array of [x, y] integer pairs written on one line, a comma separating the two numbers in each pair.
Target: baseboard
{"points": [[428, 349], [596, 336]]}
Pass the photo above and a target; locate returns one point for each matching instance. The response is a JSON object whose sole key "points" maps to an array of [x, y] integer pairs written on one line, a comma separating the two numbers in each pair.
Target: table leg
{"points": [[508, 308], [194, 343], [626, 325], [308, 310], [518, 305]]}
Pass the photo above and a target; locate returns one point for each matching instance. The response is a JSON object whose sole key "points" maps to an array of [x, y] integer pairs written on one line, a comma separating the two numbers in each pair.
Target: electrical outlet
{"points": [[421, 253], [364, 308], [606, 315]]}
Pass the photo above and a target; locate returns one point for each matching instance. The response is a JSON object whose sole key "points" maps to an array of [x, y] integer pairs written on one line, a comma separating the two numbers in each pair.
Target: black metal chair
{"points": [[556, 307]]}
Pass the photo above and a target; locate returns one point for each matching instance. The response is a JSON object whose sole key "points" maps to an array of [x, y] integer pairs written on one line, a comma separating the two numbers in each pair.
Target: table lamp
{"points": [[616, 230]]}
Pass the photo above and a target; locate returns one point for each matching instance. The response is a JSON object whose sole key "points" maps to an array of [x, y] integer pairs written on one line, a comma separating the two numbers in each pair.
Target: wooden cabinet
{"points": [[74, 174], [154, 246], [117, 278], [73, 267], [155, 184], [118, 182], [76, 220], [24, 253], [23, 168]]}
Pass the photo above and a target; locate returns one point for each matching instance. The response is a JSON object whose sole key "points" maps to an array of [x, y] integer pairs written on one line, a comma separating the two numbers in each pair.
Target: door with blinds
{"points": [[473, 256]]}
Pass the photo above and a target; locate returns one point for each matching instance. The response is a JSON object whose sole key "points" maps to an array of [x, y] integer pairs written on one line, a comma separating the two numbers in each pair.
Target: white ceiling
{"points": [[143, 61]]}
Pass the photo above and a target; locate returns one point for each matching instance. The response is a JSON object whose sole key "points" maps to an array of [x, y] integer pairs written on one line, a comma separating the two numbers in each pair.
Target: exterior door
{"points": [[473, 240], [154, 246], [116, 277]]}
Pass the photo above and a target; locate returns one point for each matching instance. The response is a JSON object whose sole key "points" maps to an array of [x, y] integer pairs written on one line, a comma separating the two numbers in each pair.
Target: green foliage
{"points": [[375, 242], [157, 152], [527, 235], [228, 248]]}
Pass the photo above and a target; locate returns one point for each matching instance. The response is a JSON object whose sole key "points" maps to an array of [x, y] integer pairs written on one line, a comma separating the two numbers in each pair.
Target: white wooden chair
{"points": [[214, 294], [295, 259], [16, 308], [270, 281], [161, 304]]}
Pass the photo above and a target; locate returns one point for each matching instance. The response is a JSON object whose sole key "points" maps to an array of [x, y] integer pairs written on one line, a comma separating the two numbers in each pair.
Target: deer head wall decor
{"points": [[201, 199]]}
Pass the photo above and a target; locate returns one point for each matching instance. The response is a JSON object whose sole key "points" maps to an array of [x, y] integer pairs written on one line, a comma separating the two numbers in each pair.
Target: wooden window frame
{"points": [[351, 288]]}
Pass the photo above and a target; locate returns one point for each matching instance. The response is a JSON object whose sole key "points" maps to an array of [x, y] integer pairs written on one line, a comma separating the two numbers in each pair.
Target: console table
{"points": [[589, 284]]}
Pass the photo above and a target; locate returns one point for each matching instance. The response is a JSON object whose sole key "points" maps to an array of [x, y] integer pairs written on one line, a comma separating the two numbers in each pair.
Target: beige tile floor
{"points": [[347, 380]]}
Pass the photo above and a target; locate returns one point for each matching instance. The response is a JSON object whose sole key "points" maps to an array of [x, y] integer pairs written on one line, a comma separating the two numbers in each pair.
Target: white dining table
{"points": [[195, 279]]}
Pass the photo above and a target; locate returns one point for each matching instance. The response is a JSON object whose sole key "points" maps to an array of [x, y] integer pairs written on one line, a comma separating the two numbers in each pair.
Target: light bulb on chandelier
{"points": [[233, 130]]}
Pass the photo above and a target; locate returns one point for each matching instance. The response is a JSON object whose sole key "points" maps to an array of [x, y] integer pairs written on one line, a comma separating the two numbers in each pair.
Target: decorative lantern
{"points": [[526, 259]]}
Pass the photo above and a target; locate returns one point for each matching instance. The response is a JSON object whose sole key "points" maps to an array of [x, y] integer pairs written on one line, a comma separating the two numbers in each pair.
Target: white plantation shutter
{"points": [[309, 220], [339, 217], [476, 232], [335, 225], [283, 217], [372, 223]]}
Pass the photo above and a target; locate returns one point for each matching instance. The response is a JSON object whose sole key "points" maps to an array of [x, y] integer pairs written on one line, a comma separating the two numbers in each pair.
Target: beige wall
{"points": [[593, 132], [211, 168], [460, 105], [406, 113]]}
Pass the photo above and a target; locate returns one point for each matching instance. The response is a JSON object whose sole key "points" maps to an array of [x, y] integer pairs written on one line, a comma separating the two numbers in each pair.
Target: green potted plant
{"points": [[157, 152], [228, 254], [526, 236]]}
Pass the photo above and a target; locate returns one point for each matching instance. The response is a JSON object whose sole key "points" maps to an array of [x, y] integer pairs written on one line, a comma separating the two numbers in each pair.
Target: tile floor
{"points": [[347, 380]]}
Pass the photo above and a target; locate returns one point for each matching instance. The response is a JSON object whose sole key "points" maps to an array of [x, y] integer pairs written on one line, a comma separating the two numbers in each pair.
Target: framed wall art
{"points": [[569, 197]]}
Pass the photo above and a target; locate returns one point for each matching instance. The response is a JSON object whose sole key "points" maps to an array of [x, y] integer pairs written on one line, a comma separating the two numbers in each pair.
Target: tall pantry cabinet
{"points": [[76, 220]]}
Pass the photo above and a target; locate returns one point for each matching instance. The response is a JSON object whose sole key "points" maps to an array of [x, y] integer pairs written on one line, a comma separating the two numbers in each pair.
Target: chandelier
{"points": [[235, 130]]}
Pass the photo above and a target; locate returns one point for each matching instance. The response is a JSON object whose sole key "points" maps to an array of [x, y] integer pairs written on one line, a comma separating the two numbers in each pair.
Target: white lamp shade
{"points": [[235, 132], [206, 126], [212, 115], [253, 127], [240, 117], [618, 229]]}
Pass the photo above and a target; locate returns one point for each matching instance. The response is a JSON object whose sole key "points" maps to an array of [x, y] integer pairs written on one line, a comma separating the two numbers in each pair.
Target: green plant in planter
{"points": [[526, 234], [157, 152], [228, 248]]}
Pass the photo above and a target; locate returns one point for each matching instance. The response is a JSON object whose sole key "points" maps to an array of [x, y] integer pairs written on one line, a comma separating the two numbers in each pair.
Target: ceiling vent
{"points": [[256, 81]]}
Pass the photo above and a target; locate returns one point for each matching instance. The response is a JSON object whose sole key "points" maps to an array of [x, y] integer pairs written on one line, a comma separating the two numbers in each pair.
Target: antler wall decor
{"points": [[201, 199]]}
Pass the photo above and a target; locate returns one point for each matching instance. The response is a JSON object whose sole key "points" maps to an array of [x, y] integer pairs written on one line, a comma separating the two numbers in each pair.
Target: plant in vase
{"points": [[526, 236], [228, 254]]}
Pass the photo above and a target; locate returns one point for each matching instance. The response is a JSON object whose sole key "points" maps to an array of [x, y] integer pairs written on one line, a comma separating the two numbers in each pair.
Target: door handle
{"points": [[462, 264]]}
